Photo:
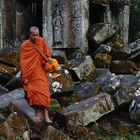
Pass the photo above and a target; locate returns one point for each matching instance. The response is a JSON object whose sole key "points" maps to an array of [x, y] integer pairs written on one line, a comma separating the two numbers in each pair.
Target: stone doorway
{"points": [[96, 15], [36, 13], [28, 13], [0, 24]]}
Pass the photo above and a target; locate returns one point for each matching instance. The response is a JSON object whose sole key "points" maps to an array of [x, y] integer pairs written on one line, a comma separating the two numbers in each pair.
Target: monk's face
{"points": [[34, 35]]}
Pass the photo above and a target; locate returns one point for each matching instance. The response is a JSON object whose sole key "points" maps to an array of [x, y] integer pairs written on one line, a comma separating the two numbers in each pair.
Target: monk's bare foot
{"points": [[37, 117], [48, 120]]}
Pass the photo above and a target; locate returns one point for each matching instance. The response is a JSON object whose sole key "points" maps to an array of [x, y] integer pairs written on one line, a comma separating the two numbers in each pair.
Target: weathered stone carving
{"points": [[57, 26]]}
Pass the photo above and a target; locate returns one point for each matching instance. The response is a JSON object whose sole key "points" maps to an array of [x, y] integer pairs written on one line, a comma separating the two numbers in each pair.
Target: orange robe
{"points": [[37, 87]]}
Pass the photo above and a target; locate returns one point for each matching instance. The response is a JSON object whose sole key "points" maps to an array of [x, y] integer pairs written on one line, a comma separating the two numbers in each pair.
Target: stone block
{"points": [[134, 51], [102, 60], [100, 32], [117, 43], [86, 89], [52, 133], [127, 80], [13, 127], [102, 71], [21, 106], [6, 72], [9, 57], [82, 68], [103, 49], [123, 67], [84, 112], [109, 83], [124, 97], [15, 82], [3, 90], [62, 84], [12, 95]]}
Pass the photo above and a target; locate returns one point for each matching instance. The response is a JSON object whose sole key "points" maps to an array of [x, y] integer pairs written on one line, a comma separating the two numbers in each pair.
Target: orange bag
{"points": [[51, 67]]}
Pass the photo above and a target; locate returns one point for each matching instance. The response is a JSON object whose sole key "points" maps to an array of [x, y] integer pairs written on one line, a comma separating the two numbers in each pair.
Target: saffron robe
{"points": [[37, 87]]}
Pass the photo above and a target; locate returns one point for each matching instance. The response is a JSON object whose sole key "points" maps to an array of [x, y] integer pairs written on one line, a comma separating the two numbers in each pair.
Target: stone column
{"points": [[107, 16], [76, 18], [9, 23], [47, 22], [85, 24], [122, 18], [1, 23], [125, 23]]}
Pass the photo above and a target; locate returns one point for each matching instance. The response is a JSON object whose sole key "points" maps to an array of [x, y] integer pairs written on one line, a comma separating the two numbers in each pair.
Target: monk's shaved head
{"points": [[34, 33], [33, 29]]}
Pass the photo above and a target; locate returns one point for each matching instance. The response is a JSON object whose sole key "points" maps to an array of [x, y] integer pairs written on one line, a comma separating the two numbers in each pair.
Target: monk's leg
{"points": [[47, 119], [37, 117]]}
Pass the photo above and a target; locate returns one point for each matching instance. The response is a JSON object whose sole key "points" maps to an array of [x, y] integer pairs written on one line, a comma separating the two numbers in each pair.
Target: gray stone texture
{"points": [[87, 111], [6, 99], [101, 31], [84, 67], [52, 133]]}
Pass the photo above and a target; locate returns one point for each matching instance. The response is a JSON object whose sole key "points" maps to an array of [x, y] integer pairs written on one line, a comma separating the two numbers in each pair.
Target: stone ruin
{"points": [[99, 84]]}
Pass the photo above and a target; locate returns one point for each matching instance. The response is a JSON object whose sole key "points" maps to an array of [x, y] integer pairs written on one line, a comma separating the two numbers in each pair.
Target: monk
{"points": [[33, 76]]}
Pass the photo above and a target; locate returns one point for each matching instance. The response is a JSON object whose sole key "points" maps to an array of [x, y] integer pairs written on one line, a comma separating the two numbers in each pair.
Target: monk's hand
{"points": [[25, 81], [50, 60]]}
